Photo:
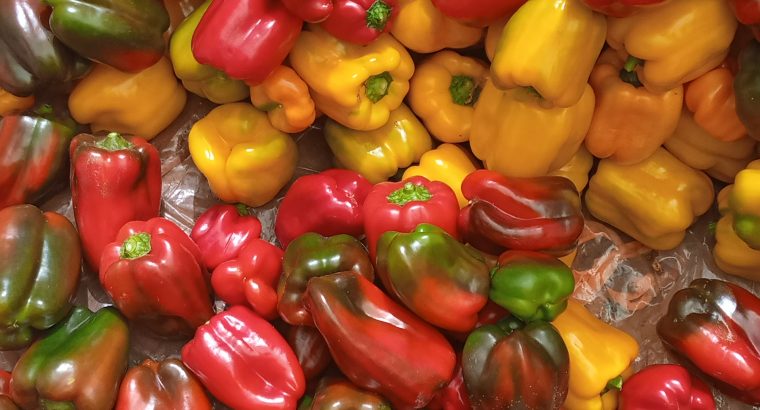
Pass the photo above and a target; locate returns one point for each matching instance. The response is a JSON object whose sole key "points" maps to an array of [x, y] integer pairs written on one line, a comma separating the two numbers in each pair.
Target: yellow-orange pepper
{"points": [[577, 169], [141, 104], [12, 105], [447, 163], [421, 27], [285, 98], [732, 254], [443, 91], [745, 204], [711, 98], [492, 37]]}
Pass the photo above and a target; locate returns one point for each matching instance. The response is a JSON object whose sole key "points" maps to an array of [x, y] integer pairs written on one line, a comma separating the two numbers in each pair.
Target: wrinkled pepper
{"points": [[141, 104], [712, 100], [423, 28], [343, 395], [13, 105], [748, 13], [654, 201], [310, 348], [380, 153], [310, 11], [747, 89], [360, 21], [478, 12], [577, 169], [621, 8], [161, 385], [243, 157], [222, 231], [39, 272], [285, 98], [665, 386], [446, 163]]}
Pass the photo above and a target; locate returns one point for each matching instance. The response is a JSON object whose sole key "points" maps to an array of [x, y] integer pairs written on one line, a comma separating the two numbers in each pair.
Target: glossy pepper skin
{"points": [[360, 21], [14, 105], [599, 354], [747, 88], [310, 11], [577, 169], [515, 365], [334, 198], [621, 8], [712, 100], [674, 194], [86, 346], [743, 203], [455, 395], [6, 402], [446, 163], [423, 28], [243, 157], [114, 180], [246, 39], [748, 13], [479, 12], [343, 395], [665, 386], [161, 385], [222, 231], [443, 281], [733, 254], [310, 348], [377, 344], [379, 154], [153, 272], [534, 214], [140, 104], [677, 41], [285, 98], [711, 325], [39, 274]]}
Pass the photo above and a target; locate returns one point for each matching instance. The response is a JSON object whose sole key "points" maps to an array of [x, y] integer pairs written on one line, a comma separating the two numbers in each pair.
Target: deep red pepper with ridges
{"points": [[223, 231], [310, 348], [478, 12], [245, 363], [115, 179], [310, 11], [748, 13], [328, 203], [360, 21], [620, 8], [161, 385], [665, 386]]}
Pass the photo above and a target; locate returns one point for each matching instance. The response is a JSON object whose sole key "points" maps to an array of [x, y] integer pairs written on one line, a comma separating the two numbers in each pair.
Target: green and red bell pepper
{"points": [[222, 231]]}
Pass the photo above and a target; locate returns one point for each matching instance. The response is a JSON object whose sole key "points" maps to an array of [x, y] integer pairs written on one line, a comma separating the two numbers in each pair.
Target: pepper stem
{"points": [[242, 210], [615, 384], [376, 87], [409, 193], [628, 72], [378, 15], [136, 246], [114, 142], [56, 405], [464, 90]]}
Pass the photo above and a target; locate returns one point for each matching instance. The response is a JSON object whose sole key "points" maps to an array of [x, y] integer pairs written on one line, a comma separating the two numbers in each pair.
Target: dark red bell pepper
{"points": [[748, 13], [161, 385], [114, 180], [247, 39], [6, 402], [152, 271], [377, 344], [223, 231], [310, 348], [478, 12], [245, 363], [340, 394], [310, 11], [401, 206], [620, 8], [360, 21], [532, 214], [251, 279], [328, 203], [455, 395], [665, 386]]}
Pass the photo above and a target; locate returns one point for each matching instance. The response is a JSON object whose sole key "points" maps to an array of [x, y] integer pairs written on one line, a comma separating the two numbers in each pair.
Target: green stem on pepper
{"points": [[378, 15], [409, 193], [376, 87], [464, 90], [114, 142], [136, 246]]}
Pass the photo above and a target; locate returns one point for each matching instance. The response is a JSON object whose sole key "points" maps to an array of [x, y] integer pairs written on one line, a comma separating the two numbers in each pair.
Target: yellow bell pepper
{"points": [[443, 91], [654, 201], [493, 34], [141, 104], [380, 153], [744, 204], [678, 41], [285, 98], [197, 78], [421, 27], [731, 253], [447, 163], [577, 169], [698, 149], [243, 157], [599, 353], [357, 86], [550, 45], [12, 105], [514, 135]]}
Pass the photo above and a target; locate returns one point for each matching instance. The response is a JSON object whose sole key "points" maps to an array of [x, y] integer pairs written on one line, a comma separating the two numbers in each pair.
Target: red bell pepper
{"points": [[310, 348], [401, 206], [328, 203], [340, 394], [665, 386], [455, 395], [748, 13], [165, 385], [361, 21], [245, 363], [114, 180], [6, 402], [251, 279], [247, 39], [223, 231], [478, 12], [620, 8], [153, 273], [311, 11], [377, 344]]}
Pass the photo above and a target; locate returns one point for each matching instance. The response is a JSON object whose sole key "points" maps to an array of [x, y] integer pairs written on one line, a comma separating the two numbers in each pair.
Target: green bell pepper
{"points": [[747, 88]]}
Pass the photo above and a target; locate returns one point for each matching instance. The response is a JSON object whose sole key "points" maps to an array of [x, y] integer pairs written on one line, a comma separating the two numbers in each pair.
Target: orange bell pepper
{"points": [[285, 97], [12, 105], [711, 98], [421, 27], [492, 37]]}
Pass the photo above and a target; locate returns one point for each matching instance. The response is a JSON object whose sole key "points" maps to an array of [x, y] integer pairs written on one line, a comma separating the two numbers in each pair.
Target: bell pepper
{"points": [[88, 350], [153, 272], [675, 42], [285, 98], [141, 104], [577, 169], [246, 39], [748, 13], [443, 91], [39, 274], [455, 395], [621, 8], [423, 28], [13, 105], [6, 402], [34, 156], [222, 231], [250, 278], [199, 79], [665, 386], [357, 86], [161, 385], [478, 12], [244, 362], [360, 21], [312, 255], [243, 157], [493, 34], [534, 214], [654, 201], [516, 365], [630, 122], [179, 10], [334, 198], [379, 154], [343, 395], [711, 325], [502, 119], [447, 163], [114, 180], [311, 11], [377, 344], [310, 348], [744, 203], [600, 358], [732, 254], [31, 59], [438, 278], [747, 89], [712, 100]]}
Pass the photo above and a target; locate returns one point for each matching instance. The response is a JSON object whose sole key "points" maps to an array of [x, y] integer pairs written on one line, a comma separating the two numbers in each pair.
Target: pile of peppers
{"points": [[431, 267]]}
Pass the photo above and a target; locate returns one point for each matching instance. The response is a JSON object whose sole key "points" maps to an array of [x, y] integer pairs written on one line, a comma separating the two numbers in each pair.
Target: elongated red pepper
{"points": [[620, 8], [360, 21], [665, 386], [478, 12], [310, 11], [223, 231]]}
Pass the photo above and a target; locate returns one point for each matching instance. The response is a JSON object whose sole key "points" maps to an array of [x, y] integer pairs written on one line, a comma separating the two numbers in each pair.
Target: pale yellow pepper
{"points": [[421, 27], [577, 169], [447, 163]]}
